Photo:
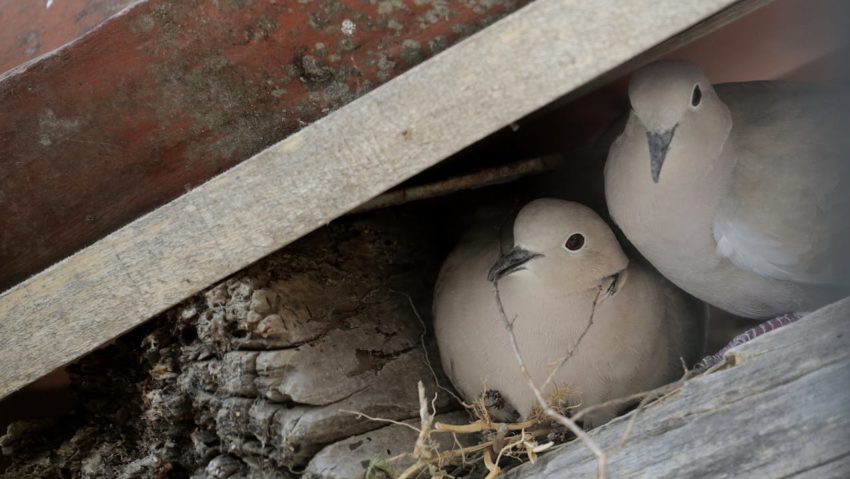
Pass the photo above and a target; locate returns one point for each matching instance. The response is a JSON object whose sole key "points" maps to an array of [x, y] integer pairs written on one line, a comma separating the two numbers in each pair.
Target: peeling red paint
{"points": [[166, 96]]}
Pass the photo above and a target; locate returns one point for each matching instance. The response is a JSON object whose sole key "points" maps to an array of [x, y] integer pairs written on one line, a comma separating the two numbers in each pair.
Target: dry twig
{"points": [[492, 467], [378, 419], [425, 348], [572, 350], [480, 426], [601, 458], [478, 179], [429, 457]]}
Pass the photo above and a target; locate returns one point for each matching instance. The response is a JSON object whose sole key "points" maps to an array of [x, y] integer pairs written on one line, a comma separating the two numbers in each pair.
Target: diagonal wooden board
{"points": [[517, 65]]}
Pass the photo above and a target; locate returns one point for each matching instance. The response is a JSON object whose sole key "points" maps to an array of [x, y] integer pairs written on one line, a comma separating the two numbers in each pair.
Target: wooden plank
{"points": [[33, 28], [781, 412], [168, 94], [506, 71]]}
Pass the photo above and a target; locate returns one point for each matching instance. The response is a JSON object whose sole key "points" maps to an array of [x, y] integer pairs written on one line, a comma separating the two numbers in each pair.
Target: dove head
{"points": [[562, 244], [679, 110]]}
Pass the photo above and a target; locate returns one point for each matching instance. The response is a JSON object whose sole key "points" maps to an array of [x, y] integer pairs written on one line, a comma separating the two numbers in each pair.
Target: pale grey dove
{"points": [[738, 193], [565, 267]]}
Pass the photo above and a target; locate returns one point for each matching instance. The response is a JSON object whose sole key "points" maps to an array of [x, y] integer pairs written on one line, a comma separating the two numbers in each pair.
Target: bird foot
{"points": [[747, 336]]}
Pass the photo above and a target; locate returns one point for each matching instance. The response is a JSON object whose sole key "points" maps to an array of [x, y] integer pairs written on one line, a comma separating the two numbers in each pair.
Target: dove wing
{"points": [[787, 210]]}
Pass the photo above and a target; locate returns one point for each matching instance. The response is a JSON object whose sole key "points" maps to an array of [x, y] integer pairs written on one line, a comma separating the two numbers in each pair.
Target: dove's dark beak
{"points": [[510, 262], [659, 143]]}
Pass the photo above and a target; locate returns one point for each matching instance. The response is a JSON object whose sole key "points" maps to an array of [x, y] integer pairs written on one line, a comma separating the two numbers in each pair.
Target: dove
{"points": [[738, 193], [568, 288]]}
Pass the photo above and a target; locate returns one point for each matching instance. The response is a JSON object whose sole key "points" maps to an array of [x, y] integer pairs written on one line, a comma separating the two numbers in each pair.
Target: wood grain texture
{"points": [[508, 70], [169, 93], [781, 412]]}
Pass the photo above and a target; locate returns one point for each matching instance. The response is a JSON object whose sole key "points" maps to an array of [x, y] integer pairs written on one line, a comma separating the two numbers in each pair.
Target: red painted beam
{"points": [[34, 27], [165, 96]]}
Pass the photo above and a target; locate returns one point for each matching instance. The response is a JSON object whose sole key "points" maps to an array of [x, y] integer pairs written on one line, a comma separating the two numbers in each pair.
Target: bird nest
{"points": [[480, 448]]}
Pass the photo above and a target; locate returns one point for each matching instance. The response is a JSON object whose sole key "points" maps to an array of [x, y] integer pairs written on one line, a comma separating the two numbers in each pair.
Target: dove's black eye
{"points": [[696, 96], [575, 242]]}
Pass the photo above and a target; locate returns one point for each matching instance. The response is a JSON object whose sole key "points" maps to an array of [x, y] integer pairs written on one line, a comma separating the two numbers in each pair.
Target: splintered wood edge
{"points": [[517, 65], [780, 412]]}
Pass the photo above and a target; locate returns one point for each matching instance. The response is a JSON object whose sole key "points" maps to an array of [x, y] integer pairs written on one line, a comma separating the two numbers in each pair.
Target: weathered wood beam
{"points": [[167, 94], [508, 70], [780, 412], [33, 28]]}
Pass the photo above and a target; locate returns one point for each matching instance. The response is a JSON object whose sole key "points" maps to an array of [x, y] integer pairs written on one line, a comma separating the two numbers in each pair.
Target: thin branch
{"points": [[492, 467], [421, 449], [601, 458], [578, 341], [425, 348], [459, 447], [657, 392], [378, 419], [410, 471], [479, 426], [478, 179]]}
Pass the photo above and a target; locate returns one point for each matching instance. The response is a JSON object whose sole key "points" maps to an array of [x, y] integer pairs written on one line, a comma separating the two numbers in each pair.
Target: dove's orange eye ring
{"points": [[696, 96], [575, 242]]}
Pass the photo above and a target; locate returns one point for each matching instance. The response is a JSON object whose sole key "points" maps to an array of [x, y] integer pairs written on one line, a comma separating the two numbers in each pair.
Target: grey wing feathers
{"points": [[785, 216]]}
